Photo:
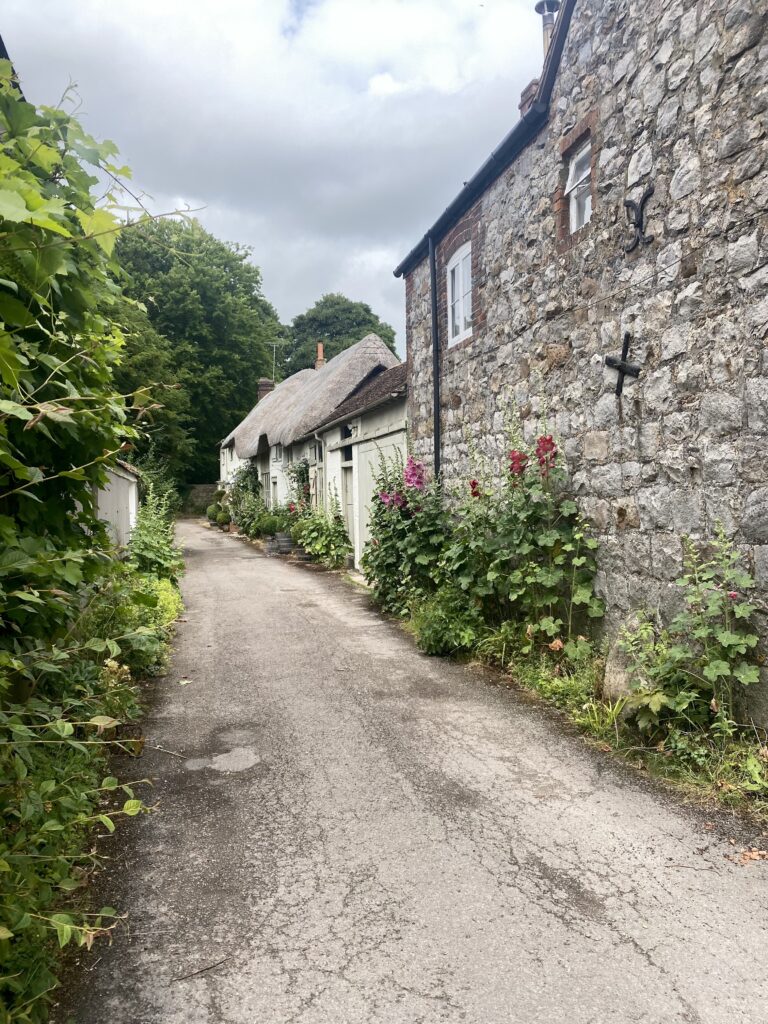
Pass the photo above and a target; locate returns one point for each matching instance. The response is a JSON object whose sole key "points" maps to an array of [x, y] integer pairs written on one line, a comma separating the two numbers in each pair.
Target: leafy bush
{"points": [[137, 611], [523, 556], [61, 423], [54, 784], [268, 526], [223, 518], [155, 472], [409, 529], [444, 623], [244, 496], [212, 512], [687, 674], [249, 511], [323, 535], [151, 548]]}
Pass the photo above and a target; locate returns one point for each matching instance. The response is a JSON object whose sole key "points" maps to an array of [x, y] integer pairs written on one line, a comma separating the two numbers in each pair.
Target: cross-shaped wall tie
{"points": [[624, 368]]}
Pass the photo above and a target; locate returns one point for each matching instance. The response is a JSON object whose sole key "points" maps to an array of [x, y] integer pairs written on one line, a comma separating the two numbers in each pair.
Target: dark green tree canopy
{"points": [[336, 321], [205, 298], [148, 360]]}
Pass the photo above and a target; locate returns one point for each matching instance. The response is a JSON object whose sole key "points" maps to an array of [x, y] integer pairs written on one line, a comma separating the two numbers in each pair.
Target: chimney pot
{"points": [[548, 9], [320, 360], [264, 387]]}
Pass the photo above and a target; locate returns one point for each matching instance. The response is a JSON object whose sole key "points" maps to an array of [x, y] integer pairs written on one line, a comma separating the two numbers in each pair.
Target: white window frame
{"points": [[577, 186], [459, 263], [277, 455]]}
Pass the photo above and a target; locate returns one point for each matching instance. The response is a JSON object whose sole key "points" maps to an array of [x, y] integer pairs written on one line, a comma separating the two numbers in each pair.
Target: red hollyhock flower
{"points": [[474, 488], [517, 462], [546, 453]]}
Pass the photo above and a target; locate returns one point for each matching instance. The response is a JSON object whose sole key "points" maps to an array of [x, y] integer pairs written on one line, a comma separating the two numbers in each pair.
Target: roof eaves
{"points": [[507, 152], [392, 396]]}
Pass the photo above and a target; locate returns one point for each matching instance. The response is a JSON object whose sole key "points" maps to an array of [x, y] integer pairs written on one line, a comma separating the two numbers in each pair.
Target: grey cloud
{"points": [[326, 182]]}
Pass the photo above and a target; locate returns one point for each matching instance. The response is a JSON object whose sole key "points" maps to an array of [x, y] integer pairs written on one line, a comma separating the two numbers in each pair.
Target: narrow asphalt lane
{"points": [[349, 832]]}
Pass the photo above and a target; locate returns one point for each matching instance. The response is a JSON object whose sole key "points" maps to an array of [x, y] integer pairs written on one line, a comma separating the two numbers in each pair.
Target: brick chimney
{"points": [[527, 97], [320, 360], [265, 386]]}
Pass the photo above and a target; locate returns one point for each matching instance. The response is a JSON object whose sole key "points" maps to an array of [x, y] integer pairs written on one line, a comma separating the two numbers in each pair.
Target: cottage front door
{"points": [[347, 501]]}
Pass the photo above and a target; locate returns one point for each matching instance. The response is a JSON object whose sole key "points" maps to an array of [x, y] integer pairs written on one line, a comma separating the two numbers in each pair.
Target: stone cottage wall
{"points": [[675, 95]]}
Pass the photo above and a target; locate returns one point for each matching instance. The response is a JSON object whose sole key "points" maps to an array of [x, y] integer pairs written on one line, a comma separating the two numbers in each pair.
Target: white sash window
{"points": [[460, 295], [578, 188]]}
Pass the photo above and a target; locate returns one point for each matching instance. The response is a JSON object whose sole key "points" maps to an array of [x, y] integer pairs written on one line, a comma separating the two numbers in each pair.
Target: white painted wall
{"points": [[380, 431], [118, 502], [229, 463]]}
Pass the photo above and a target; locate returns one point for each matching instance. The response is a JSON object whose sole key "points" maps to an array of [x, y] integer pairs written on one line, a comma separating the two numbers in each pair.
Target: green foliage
{"points": [[336, 321], [250, 510], [223, 518], [323, 535], [409, 529], [267, 526], [445, 624], [205, 297], [687, 674], [151, 548], [138, 612], [166, 445], [61, 420], [522, 555], [212, 511], [298, 475], [244, 497], [61, 423], [156, 471], [55, 788]]}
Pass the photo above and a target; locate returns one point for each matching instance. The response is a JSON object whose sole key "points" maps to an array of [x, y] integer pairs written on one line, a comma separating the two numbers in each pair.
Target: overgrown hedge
{"points": [[73, 620]]}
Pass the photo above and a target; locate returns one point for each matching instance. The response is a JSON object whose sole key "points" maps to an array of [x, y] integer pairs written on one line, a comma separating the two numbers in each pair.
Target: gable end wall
{"points": [[676, 95]]}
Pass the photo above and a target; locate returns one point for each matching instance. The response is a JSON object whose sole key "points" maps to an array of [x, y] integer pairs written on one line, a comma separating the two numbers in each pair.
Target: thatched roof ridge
{"points": [[297, 405]]}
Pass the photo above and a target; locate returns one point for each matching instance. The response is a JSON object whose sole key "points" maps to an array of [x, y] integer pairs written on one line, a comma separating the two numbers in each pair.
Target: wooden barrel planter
{"points": [[300, 554], [270, 546]]}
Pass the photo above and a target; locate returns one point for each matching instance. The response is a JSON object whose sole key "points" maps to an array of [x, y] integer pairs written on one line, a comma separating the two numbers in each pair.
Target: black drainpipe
{"points": [[435, 357]]}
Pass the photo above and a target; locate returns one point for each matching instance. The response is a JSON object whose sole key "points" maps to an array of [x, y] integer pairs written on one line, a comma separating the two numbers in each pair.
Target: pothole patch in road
{"points": [[239, 759]]}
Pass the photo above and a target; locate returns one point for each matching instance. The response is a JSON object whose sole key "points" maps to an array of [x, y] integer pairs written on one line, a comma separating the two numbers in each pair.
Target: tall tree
{"points": [[205, 297], [336, 321], [148, 361]]}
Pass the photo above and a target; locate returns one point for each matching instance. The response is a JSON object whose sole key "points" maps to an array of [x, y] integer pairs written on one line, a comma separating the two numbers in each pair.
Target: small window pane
{"points": [[581, 206], [579, 168]]}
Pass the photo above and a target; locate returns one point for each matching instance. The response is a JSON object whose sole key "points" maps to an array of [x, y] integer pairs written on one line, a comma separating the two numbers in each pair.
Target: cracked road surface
{"points": [[356, 833]]}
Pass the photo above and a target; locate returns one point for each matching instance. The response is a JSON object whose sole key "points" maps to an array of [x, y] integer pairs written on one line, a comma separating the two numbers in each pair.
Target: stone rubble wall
{"points": [[676, 95]]}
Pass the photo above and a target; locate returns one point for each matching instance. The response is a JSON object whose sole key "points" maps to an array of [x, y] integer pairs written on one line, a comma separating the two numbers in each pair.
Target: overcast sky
{"points": [[326, 134]]}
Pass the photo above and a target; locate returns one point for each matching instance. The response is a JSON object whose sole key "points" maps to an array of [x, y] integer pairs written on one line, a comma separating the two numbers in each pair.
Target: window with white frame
{"points": [[460, 295], [578, 187], [277, 453]]}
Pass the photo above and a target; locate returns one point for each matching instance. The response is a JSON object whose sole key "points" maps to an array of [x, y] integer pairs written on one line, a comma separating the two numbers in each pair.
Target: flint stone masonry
{"points": [[676, 94]]}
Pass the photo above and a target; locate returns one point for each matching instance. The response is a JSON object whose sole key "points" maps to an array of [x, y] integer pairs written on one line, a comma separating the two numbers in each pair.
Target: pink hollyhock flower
{"points": [[398, 500], [386, 499], [517, 462], [291, 507], [733, 595], [474, 488], [413, 475]]}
